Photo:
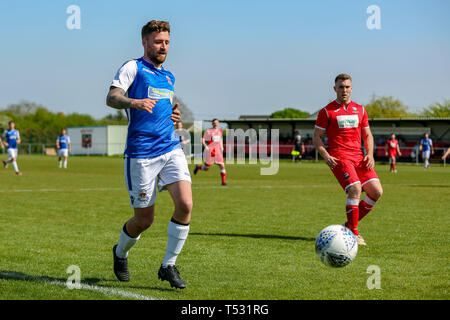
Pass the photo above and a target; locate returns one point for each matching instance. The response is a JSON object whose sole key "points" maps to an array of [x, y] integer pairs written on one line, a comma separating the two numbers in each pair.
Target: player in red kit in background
{"points": [[392, 149], [213, 143], [343, 121]]}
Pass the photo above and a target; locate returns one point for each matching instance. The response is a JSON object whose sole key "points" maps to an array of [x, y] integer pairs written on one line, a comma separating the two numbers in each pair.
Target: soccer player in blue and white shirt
{"points": [[426, 146], [12, 139], [63, 146], [153, 155]]}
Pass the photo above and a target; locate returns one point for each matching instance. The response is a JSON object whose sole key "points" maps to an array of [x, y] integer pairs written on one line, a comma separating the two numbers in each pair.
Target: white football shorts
{"points": [[143, 175], [63, 152], [426, 154], [12, 153]]}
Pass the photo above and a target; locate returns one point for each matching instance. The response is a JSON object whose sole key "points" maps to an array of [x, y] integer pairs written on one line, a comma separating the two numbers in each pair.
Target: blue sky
{"points": [[229, 57]]}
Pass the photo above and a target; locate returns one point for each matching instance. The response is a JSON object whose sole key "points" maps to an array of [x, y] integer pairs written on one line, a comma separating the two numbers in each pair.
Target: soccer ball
{"points": [[336, 246]]}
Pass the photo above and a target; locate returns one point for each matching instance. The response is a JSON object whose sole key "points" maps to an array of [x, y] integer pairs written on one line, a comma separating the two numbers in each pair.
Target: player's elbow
{"points": [[109, 100]]}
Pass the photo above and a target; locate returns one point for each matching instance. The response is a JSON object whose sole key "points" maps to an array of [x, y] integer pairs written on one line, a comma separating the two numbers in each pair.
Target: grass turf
{"points": [[253, 239]]}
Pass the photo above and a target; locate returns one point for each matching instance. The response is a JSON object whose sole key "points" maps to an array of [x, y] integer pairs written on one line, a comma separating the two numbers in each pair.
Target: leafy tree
{"points": [[387, 107], [289, 113], [438, 109], [187, 116], [37, 124], [119, 118]]}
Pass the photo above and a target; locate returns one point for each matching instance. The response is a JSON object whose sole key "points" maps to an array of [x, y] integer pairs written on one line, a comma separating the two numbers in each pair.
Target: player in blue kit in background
{"points": [[426, 147], [63, 146], [12, 139], [153, 155]]}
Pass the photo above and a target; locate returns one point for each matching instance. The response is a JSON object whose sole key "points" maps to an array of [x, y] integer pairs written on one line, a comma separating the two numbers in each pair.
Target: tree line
{"points": [[37, 124], [381, 107]]}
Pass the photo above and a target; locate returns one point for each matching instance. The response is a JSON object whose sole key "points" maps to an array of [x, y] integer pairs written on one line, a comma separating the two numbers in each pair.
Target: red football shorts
{"points": [[393, 154], [349, 172], [213, 155]]}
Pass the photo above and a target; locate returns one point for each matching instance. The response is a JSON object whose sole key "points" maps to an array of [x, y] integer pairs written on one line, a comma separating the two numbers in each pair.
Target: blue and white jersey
{"points": [[63, 141], [11, 137], [426, 144], [149, 134]]}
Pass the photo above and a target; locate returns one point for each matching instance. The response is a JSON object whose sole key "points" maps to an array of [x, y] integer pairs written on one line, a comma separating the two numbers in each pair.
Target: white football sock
{"points": [[176, 236], [16, 168], [65, 163], [125, 244]]}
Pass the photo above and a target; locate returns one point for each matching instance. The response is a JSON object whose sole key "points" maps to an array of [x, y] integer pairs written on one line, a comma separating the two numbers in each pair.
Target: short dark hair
{"points": [[153, 26], [12, 121], [214, 120], [342, 76]]}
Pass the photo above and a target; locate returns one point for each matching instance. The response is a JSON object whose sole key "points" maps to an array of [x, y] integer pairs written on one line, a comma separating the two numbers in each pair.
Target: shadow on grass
{"points": [[12, 275], [255, 236]]}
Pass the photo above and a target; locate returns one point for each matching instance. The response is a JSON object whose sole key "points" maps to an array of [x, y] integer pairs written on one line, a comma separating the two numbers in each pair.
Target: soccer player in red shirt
{"points": [[392, 149], [213, 143], [343, 121]]}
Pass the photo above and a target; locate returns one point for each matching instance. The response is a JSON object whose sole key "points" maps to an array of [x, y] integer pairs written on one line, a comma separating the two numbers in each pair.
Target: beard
{"points": [[158, 57]]}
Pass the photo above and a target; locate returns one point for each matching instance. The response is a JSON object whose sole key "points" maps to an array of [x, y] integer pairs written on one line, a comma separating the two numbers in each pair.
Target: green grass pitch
{"points": [[253, 239]]}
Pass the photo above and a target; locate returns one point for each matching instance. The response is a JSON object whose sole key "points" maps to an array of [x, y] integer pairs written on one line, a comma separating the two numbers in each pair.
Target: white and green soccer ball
{"points": [[336, 246]]}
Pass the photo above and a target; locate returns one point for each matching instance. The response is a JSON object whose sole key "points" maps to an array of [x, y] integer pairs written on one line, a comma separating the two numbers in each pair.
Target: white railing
{"points": [[409, 154]]}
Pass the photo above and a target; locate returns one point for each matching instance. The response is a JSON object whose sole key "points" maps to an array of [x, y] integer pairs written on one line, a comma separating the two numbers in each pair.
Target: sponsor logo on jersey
{"points": [[157, 93], [348, 121], [147, 70]]}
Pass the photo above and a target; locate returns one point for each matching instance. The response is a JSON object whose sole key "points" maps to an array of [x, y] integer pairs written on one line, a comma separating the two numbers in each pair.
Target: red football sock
{"points": [[224, 176], [352, 211], [365, 206]]}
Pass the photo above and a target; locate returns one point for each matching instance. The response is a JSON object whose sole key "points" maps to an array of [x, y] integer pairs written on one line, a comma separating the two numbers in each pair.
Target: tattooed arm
{"points": [[116, 99]]}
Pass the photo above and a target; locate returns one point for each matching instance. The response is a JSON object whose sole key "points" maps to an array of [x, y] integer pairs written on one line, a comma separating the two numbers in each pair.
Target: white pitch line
{"points": [[212, 187], [104, 290]]}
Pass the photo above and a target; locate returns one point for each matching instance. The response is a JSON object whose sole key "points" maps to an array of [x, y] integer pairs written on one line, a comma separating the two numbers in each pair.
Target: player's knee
{"points": [[377, 193], [145, 223], [354, 191], [185, 206]]}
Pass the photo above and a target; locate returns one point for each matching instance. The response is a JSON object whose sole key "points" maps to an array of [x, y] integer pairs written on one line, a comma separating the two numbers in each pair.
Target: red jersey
{"points": [[213, 136], [392, 146], [343, 125]]}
